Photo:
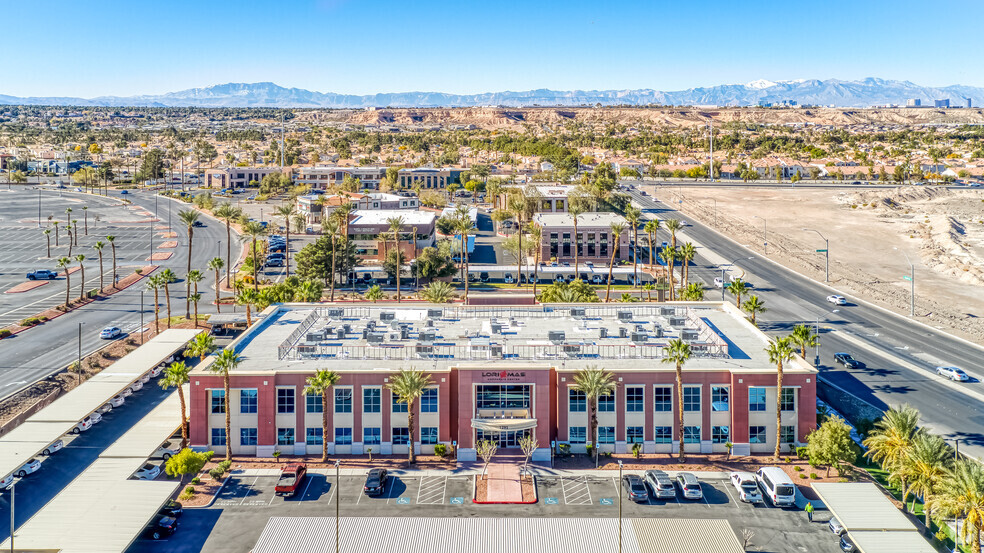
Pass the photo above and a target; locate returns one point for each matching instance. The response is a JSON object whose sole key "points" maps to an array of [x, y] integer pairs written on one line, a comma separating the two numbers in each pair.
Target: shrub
{"points": [[224, 465], [216, 473], [565, 449], [441, 450], [803, 476], [30, 321], [188, 493], [801, 452], [4, 333], [636, 450], [196, 480], [814, 476], [590, 449], [789, 459], [798, 469]]}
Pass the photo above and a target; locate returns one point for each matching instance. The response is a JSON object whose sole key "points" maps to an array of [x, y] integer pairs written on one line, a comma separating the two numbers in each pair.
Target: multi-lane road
{"points": [[901, 355]]}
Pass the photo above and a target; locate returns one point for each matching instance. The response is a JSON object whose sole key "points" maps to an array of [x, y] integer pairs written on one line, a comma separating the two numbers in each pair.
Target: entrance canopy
{"points": [[503, 425]]}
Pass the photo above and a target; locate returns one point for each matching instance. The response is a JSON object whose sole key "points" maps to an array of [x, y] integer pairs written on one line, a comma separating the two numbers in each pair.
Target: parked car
{"points": [[165, 452], [847, 545], [161, 527], [848, 361], [127, 392], [776, 485], [42, 274], [144, 378], [198, 224], [559, 278], [747, 487], [290, 479], [136, 386], [635, 488], [837, 300], [689, 486], [953, 373], [172, 509], [508, 278], [156, 371], [660, 484], [718, 282], [29, 467], [5, 483], [82, 426], [375, 482], [597, 279], [276, 262], [484, 277], [106, 408], [117, 401], [835, 526], [55, 446], [110, 332], [148, 472]]}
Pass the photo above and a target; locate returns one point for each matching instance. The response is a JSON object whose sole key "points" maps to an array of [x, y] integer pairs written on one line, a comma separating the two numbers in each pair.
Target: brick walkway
{"points": [[503, 480]]}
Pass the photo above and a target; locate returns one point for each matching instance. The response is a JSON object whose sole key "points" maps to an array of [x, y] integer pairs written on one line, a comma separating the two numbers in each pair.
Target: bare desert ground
{"points": [[870, 232]]}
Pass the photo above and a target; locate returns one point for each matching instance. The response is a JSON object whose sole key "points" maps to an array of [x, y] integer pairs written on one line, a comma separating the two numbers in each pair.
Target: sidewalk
{"points": [[470, 469]]}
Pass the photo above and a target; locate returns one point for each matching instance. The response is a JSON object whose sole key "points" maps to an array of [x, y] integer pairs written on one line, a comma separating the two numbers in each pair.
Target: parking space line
{"points": [[250, 487], [703, 496], [391, 482], [618, 492], [727, 491], [334, 486], [304, 493], [444, 489]]}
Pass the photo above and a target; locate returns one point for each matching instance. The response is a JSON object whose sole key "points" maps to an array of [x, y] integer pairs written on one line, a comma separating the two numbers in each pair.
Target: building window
{"points": [[508, 396], [633, 435], [313, 403], [720, 398], [691, 434], [663, 399], [606, 434], [634, 399], [371, 436], [428, 401], [719, 434], [397, 406], [247, 436], [787, 434], [315, 436], [577, 435], [576, 400], [218, 401], [756, 434], [756, 399], [343, 400], [428, 435], [606, 403], [247, 401], [285, 400], [343, 436], [371, 400], [401, 435], [218, 436], [285, 436], [691, 399], [788, 400], [664, 435]]}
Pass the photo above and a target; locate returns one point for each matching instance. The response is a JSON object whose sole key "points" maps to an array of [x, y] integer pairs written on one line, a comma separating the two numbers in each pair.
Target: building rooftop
{"points": [[550, 190], [380, 216], [302, 337], [594, 219]]}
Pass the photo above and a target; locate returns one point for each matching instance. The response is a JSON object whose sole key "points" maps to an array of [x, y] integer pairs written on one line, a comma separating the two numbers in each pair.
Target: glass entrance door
{"points": [[508, 438]]}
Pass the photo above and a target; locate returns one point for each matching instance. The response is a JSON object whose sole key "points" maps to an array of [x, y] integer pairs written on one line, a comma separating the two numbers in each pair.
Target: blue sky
{"points": [[86, 49]]}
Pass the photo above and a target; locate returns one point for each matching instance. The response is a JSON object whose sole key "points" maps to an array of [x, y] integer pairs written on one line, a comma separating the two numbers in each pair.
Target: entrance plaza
{"points": [[500, 372]]}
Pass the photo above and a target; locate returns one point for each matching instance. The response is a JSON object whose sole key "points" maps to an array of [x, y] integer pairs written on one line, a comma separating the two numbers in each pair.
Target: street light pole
{"points": [[78, 367], [620, 494], [13, 489], [337, 499], [141, 317], [826, 254]]}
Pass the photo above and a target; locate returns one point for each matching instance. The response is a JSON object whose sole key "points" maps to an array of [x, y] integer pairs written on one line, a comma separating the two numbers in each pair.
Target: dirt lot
{"points": [[942, 232]]}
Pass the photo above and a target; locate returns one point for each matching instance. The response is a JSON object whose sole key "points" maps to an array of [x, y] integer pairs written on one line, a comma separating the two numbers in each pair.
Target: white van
{"points": [[776, 485]]}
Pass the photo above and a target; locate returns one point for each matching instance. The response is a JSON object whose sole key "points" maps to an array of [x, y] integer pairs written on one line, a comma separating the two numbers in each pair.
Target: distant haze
{"points": [[867, 92]]}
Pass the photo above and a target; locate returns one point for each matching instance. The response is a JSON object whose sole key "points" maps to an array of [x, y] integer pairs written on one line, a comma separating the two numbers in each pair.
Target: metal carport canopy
{"points": [[872, 522]]}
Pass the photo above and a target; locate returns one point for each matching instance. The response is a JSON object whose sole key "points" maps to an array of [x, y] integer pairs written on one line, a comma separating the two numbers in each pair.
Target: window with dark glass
{"points": [[247, 436], [788, 402], [691, 399], [371, 400], [285, 436], [401, 435], [343, 400], [756, 399], [633, 434], [606, 403], [285, 400], [664, 434], [397, 406], [756, 434], [634, 400], [218, 401], [720, 398], [691, 434], [719, 434], [428, 401], [663, 399], [218, 436], [576, 400], [247, 401], [313, 403]]}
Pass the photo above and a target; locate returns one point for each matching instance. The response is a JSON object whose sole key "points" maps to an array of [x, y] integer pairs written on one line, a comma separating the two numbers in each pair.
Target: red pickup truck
{"points": [[290, 479]]}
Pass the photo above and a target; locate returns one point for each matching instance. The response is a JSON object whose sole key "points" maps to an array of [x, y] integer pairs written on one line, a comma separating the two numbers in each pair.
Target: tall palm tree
{"points": [[253, 231], [176, 376], [803, 337], [961, 495], [687, 254], [216, 265], [673, 225], [71, 243], [47, 235], [536, 237], [576, 205], [202, 345], [753, 306], [64, 263], [287, 212], [320, 384], [75, 231], [194, 277], [228, 213], [98, 246], [519, 205], [167, 277], [617, 229], [85, 219], [55, 224], [692, 292], [408, 385], [594, 382], [226, 362], [651, 228], [189, 217], [669, 256], [331, 225], [248, 297], [81, 259], [738, 288], [780, 351], [926, 467], [678, 352], [890, 443], [633, 215], [154, 283], [395, 226], [112, 243]]}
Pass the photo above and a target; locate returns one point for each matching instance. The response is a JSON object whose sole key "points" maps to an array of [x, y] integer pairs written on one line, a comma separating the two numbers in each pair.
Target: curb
{"points": [[215, 496]]}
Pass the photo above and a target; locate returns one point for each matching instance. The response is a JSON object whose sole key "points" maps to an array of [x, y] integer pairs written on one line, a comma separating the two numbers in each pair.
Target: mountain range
{"points": [[830, 92]]}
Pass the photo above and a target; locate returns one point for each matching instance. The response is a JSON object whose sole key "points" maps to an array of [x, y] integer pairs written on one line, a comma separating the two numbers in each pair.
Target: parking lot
{"points": [[237, 517]]}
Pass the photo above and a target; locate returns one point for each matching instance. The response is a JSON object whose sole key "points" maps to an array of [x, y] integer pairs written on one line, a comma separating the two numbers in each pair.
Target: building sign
{"points": [[504, 376]]}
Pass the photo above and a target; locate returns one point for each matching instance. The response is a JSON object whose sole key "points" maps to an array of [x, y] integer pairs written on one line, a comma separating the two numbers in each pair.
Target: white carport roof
{"points": [[873, 523], [890, 542], [149, 432]]}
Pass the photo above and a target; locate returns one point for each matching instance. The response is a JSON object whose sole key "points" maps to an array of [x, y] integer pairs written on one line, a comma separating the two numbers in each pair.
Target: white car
{"points": [[148, 472], [156, 371], [5, 483], [31, 466], [136, 386], [127, 392], [747, 487], [95, 418], [58, 444], [106, 408], [953, 373], [82, 426], [144, 378], [718, 282], [110, 332], [165, 451], [837, 300], [117, 401]]}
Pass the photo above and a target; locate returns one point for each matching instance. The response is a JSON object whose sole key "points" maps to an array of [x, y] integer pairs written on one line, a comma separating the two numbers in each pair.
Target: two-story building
{"points": [[327, 177], [594, 239], [370, 231], [429, 177], [239, 177]]}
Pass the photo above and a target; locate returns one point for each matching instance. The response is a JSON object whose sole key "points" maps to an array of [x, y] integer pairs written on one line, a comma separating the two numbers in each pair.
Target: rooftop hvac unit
{"points": [[339, 333], [335, 313], [347, 327], [435, 313], [305, 351], [424, 350], [496, 350], [365, 333], [639, 337], [677, 322], [640, 328], [393, 336], [387, 315], [625, 316], [371, 325], [375, 337], [623, 332], [314, 337], [658, 332], [404, 333], [667, 311], [395, 325], [427, 335], [556, 336], [603, 332], [429, 323], [572, 350], [689, 335], [578, 312], [496, 328]]}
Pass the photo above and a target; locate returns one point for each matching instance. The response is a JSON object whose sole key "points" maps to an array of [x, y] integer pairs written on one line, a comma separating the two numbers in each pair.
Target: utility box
{"points": [[435, 313], [556, 336], [578, 312], [639, 337], [625, 316], [387, 315]]}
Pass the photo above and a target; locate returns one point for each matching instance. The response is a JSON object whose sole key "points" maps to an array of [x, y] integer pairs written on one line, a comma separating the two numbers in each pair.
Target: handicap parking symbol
{"points": [[457, 500], [606, 501], [552, 501], [403, 501]]}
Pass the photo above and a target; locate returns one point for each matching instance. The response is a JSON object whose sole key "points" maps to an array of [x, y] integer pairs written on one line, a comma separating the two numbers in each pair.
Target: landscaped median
{"points": [[480, 495]]}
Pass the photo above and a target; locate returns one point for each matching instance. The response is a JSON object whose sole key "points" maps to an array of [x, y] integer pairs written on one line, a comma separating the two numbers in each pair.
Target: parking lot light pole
{"points": [[13, 487], [79, 366], [141, 317], [826, 254], [620, 494], [337, 500]]}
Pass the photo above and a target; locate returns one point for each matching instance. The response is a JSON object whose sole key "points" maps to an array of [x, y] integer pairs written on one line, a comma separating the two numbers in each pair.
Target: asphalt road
{"points": [[49, 348], [901, 355]]}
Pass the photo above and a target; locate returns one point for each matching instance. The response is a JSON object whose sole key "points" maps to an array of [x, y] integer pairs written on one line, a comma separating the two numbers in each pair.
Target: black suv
{"points": [[172, 509], [375, 482], [848, 361], [161, 527]]}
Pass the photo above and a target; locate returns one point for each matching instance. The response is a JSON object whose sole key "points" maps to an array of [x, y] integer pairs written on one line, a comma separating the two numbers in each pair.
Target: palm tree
{"points": [[202, 345], [309, 291], [81, 259], [98, 246], [331, 225], [575, 207], [71, 243], [463, 224], [617, 229], [195, 276], [669, 256], [803, 337], [594, 382], [320, 384], [395, 226], [536, 237], [693, 292], [85, 218], [75, 231], [652, 226], [633, 215], [753, 305], [176, 376], [648, 287], [216, 265], [287, 212], [63, 263], [167, 277], [228, 213], [252, 231], [438, 292], [248, 297], [189, 217], [518, 205], [47, 235], [408, 385], [780, 350], [890, 443], [154, 283], [112, 243], [673, 225], [55, 223], [926, 468], [226, 362], [738, 288], [961, 495], [687, 254], [374, 294], [678, 352]]}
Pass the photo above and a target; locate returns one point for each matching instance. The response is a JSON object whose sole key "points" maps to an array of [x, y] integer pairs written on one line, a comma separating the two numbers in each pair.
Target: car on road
{"points": [[508, 278], [29, 467], [136, 386], [953, 373], [660, 484], [635, 488], [161, 527], [82, 426], [124, 192], [110, 332], [848, 361], [198, 224], [375, 482], [837, 300], [689, 486], [148, 472], [55, 446], [42, 274], [718, 282], [747, 487], [172, 509], [835, 526]]}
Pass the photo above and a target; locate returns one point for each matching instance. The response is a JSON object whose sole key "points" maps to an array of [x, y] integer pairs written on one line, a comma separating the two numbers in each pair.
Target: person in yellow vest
{"points": [[809, 510]]}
